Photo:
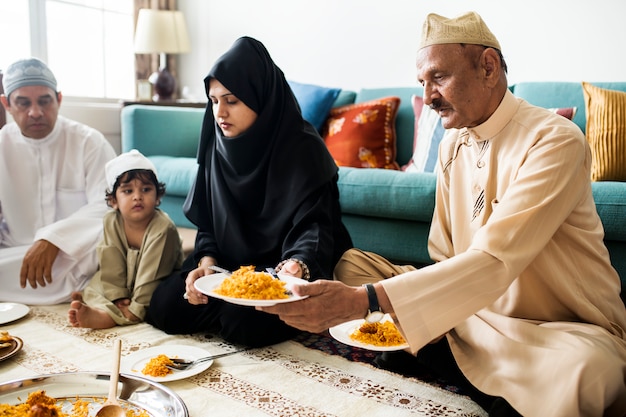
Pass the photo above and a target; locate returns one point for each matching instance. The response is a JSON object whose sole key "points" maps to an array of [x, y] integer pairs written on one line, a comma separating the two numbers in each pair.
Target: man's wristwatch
{"points": [[374, 314]]}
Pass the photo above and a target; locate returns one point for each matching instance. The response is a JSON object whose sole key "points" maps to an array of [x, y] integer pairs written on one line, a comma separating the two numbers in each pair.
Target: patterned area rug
{"points": [[327, 344], [313, 377]]}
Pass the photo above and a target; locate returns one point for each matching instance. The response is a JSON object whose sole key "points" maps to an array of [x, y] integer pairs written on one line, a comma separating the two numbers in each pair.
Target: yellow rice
{"points": [[378, 334], [157, 366], [247, 283], [38, 404]]}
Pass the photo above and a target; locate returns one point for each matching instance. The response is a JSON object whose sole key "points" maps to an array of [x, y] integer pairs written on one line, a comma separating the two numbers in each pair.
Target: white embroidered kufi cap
{"points": [[126, 162]]}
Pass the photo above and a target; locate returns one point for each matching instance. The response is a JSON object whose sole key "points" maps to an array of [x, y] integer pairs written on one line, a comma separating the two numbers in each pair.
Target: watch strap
{"points": [[372, 298]]}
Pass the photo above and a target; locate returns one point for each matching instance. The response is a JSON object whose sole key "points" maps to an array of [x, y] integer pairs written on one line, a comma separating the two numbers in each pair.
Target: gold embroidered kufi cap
{"points": [[468, 28]]}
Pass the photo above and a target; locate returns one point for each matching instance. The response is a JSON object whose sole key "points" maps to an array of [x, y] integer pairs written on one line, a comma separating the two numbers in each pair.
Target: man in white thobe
{"points": [[52, 188]]}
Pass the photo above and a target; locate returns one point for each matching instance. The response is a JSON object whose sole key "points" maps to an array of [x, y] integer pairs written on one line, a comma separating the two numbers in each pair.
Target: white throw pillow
{"points": [[430, 131]]}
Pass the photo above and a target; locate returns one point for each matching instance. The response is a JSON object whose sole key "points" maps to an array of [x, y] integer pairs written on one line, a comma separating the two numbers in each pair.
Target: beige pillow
{"points": [[606, 132]]}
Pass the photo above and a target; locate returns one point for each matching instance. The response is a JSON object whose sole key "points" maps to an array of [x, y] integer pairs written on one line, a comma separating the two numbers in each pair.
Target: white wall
{"points": [[372, 43]]}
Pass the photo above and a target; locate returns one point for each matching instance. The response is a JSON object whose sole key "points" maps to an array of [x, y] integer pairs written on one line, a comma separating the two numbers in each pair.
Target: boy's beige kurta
{"points": [[527, 288], [126, 272]]}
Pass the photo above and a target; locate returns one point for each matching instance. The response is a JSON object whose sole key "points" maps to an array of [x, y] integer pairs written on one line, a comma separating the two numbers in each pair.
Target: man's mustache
{"points": [[436, 104]]}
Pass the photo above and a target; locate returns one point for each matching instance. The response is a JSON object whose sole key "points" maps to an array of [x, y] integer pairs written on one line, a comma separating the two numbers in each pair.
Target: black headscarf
{"points": [[248, 187]]}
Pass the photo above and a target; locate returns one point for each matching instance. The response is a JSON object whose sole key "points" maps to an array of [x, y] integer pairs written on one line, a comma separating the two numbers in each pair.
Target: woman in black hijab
{"points": [[265, 195]]}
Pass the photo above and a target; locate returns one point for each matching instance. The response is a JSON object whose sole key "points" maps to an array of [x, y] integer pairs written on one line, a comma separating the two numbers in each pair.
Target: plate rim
{"points": [[24, 310], [19, 344], [339, 330], [127, 368], [247, 301]]}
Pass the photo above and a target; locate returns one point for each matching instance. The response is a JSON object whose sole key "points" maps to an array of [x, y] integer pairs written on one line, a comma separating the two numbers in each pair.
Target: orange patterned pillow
{"points": [[363, 135]]}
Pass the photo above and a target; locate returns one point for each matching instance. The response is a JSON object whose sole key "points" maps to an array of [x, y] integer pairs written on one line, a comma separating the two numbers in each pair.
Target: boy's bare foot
{"points": [[77, 296], [81, 315]]}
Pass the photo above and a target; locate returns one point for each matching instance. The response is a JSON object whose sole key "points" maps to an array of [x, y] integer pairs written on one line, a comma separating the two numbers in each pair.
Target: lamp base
{"points": [[163, 84]]}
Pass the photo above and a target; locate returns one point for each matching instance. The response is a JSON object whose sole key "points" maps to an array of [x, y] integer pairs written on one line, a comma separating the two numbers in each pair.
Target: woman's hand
{"points": [[291, 268], [192, 295]]}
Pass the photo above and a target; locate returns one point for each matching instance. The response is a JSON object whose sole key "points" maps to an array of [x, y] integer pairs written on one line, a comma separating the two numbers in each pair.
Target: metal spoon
{"points": [[111, 407]]}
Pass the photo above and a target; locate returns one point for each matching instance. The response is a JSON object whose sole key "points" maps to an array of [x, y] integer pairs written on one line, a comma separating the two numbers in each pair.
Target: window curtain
{"points": [[3, 114], [146, 64]]}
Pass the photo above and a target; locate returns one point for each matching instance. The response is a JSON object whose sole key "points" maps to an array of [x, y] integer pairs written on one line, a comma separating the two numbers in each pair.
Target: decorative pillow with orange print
{"points": [[363, 135]]}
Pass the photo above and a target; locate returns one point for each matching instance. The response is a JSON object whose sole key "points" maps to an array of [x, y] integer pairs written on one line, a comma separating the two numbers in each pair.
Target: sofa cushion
{"points": [[429, 132], [610, 199], [363, 135], [387, 194], [177, 173], [606, 132], [344, 98], [315, 101]]}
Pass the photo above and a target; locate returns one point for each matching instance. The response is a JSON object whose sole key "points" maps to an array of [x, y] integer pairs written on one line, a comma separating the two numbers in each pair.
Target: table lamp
{"points": [[163, 32]]}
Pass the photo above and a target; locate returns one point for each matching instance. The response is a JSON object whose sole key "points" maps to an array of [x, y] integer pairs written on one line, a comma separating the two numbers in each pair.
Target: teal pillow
{"points": [[315, 101]]}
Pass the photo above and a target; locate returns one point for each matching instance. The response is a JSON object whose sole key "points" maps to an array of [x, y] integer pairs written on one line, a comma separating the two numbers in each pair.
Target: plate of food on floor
{"points": [[248, 287], [9, 345], [152, 363], [379, 336]]}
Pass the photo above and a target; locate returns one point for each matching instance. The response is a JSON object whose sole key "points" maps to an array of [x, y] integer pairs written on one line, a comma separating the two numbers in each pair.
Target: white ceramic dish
{"points": [[137, 393], [342, 333], [12, 311], [207, 284], [135, 362]]}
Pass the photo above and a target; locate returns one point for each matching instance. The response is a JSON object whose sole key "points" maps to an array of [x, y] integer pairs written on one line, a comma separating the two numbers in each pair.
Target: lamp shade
{"points": [[161, 31]]}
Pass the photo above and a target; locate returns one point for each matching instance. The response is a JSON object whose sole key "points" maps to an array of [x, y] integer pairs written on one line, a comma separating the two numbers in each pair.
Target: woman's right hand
{"points": [[194, 296]]}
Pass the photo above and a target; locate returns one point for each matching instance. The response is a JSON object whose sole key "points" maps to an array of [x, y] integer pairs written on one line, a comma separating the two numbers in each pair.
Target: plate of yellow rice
{"points": [[381, 336], [151, 363], [249, 288]]}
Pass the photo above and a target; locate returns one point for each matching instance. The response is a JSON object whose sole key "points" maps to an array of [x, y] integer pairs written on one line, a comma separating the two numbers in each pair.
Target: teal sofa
{"points": [[388, 212]]}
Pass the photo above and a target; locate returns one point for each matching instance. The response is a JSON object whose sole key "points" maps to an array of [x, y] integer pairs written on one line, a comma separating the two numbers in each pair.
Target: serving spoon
{"points": [[111, 407]]}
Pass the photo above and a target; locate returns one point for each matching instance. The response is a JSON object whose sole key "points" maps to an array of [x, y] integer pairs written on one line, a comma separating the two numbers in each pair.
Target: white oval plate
{"points": [[135, 362], [208, 283], [12, 311], [342, 333]]}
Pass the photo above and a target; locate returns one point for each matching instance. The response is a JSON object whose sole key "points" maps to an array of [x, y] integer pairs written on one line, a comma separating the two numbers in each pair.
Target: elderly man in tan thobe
{"points": [[522, 295]]}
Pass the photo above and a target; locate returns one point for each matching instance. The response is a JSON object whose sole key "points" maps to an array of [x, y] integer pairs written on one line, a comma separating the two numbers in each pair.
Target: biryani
{"points": [[38, 404], [378, 334], [157, 366], [5, 339], [248, 283]]}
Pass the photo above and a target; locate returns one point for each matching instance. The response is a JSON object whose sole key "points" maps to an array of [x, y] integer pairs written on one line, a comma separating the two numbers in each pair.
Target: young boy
{"points": [[140, 247]]}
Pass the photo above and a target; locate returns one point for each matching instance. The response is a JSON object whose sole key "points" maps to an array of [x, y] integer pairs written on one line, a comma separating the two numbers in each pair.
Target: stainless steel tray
{"points": [[152, 397]]}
